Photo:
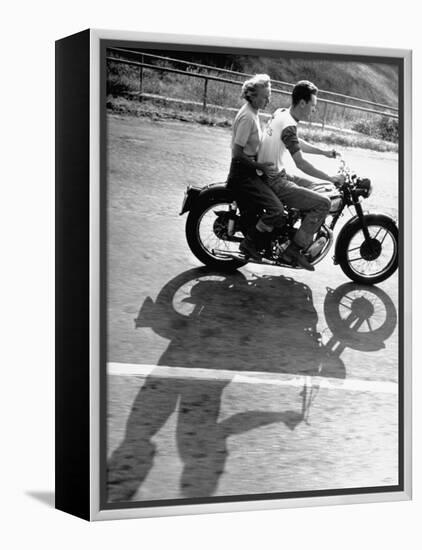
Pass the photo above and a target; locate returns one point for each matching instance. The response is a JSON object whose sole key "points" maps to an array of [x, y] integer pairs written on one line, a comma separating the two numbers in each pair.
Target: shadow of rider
{"points": [[217, 323]]}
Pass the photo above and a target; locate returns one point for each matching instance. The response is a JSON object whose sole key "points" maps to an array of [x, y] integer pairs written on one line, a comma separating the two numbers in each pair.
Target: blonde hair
{"points": [[250, 87]]}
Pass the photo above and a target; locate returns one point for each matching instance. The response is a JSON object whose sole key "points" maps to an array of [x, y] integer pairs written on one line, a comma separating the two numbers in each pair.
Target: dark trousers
{"points": [[250, 190]]}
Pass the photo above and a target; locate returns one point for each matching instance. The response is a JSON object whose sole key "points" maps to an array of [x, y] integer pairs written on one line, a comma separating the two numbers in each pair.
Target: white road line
{"points": [[250, 377]]}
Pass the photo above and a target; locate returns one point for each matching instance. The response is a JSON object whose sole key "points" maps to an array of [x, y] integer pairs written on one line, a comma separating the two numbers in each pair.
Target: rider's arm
{"points": [[313, 150], [310, 169]]}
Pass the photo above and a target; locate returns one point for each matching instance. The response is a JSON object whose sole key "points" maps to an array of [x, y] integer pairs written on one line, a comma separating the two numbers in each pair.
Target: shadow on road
{"points": [[216, 321]]}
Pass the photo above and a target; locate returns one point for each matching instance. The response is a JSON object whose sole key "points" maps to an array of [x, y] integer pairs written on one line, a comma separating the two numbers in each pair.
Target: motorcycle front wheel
{"points": [[369, 261], [206, 234]]}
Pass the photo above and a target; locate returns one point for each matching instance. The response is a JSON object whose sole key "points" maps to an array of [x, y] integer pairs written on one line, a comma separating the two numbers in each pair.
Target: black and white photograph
{"points": [[252, 276], [210, 267]]}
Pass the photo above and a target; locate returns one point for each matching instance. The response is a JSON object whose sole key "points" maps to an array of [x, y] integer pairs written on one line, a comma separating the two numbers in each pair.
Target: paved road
{"points": [[242, 384]]}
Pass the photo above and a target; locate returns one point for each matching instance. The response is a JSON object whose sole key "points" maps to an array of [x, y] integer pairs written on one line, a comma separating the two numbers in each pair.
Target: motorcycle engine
{"points": [[279, 246], [315, 248]]}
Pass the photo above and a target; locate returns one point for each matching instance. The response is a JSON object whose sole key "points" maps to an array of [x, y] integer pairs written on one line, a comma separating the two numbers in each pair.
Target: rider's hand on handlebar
{"points": [[332, 154], [338, 180]]}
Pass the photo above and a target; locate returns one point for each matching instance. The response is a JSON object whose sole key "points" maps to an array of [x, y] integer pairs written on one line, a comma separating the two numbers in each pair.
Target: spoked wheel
{"points": [[208, 238], [369, 261]]}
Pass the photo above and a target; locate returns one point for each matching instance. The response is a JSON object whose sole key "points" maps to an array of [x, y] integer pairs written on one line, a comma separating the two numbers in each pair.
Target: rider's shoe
{"points": [[249, 248], [293, 252], [253, 244]]}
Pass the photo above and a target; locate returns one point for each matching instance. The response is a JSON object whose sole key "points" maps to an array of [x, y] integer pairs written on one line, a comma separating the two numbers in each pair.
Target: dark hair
{"points": [[303, 90]]}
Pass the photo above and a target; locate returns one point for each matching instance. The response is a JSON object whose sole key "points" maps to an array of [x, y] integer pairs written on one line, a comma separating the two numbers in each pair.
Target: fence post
{"points": [[141, 75], [204, 104], [324, 116]]}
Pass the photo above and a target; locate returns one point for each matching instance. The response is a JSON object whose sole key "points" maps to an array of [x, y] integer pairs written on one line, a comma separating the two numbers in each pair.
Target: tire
{"points": [[352, 253], [197, 217]]}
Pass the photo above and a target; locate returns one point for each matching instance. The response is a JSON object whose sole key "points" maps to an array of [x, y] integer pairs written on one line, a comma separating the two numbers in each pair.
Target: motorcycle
{"points": [[366, 247]]}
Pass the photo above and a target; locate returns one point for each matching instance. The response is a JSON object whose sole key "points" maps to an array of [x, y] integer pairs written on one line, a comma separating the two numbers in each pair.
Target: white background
{"points": [[27, 273]]}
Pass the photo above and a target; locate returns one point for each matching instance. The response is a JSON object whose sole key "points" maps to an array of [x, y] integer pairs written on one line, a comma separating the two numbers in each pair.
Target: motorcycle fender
{"points": [[355, 220], [193, 195], [216, 191]]}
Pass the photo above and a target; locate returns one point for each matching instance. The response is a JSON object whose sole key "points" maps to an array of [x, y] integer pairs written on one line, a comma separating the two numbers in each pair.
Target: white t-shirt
{"points": [[247, 130], [279, 136]]}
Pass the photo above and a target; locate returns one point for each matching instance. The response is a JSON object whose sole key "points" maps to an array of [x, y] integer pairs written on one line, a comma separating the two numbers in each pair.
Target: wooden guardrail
{"points": [[388, 111]]}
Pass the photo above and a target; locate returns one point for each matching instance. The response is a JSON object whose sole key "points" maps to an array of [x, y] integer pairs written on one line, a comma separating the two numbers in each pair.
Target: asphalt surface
{"points": [[264, 381]]}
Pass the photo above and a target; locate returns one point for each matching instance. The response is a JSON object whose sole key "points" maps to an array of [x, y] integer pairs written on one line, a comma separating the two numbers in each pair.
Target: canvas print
{"points": [[252, 275]]}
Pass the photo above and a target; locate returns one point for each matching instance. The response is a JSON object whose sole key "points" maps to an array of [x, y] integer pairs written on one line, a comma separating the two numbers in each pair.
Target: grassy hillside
{"points": [[370, 81]]}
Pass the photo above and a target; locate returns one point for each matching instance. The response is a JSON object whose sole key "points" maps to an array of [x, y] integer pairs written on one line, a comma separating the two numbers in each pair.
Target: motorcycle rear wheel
{"points": [[374, 262], [203, 240]]}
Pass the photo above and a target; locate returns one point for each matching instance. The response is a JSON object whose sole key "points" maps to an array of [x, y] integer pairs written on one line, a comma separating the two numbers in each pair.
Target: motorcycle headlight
{"points": [[364, 187]]}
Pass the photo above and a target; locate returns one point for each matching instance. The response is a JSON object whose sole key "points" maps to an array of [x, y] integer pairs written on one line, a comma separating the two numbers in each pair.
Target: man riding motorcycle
{"points": [[221, 214], [280, 136]]}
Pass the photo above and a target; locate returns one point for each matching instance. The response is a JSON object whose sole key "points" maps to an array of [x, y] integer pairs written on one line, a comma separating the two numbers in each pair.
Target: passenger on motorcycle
{"points": [[243, 178], [280, 136]]}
